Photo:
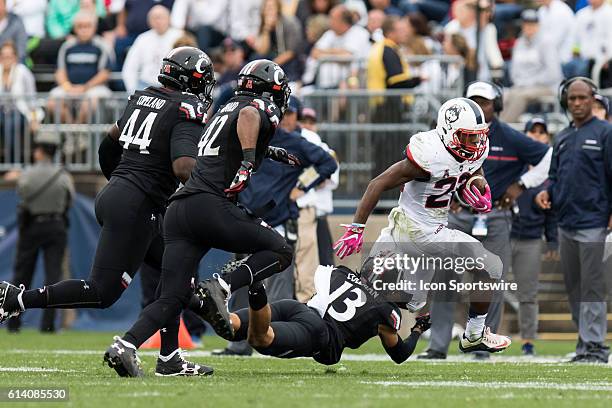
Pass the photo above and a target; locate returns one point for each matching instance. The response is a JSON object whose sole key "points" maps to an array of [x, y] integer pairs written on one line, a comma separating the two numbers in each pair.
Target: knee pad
{"points": [[285, 256]]}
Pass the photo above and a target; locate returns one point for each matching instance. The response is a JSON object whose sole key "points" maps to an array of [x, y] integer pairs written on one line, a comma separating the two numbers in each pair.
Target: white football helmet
{"points": [[463, 129]]}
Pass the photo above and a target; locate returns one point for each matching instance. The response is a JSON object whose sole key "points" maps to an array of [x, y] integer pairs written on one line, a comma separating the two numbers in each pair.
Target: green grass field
{"points": [[364, 379]]}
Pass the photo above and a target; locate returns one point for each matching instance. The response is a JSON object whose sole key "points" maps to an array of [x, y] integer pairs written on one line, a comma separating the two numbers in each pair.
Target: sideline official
{"points": [[46, 191]]}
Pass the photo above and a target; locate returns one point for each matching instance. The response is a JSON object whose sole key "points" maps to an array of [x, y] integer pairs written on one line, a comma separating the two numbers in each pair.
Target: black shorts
{"points": [[131, 233], [299, 331], [195, 224]]}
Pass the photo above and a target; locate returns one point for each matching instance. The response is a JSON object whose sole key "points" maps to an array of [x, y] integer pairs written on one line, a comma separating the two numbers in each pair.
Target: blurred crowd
{"points": [[532, 50]]}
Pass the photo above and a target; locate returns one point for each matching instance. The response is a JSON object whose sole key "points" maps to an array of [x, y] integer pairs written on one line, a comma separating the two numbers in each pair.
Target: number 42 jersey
{"points": [[158, 126], [426, 202], [352, 310]]}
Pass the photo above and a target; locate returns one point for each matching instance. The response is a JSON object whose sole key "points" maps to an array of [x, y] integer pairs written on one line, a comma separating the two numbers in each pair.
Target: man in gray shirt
{"points": [[46, 192], [535, 70]]}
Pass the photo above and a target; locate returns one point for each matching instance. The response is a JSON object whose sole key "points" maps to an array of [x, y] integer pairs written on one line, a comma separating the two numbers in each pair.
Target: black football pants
{"points": [[192, 226]]}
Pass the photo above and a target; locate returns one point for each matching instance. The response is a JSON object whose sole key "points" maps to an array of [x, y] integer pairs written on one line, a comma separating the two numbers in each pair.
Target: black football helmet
{"points": [[266, 79], [189, 69]]}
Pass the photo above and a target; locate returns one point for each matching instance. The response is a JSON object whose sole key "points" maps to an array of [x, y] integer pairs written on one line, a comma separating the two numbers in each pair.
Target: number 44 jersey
{"points": [[426, 202], [352, 309], [158, 126]]}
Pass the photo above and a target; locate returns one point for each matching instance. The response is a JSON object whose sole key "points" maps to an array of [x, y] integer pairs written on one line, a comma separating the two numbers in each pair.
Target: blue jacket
{"points": [[581, 175], [531, 221], [274, 181], [510, 151]]}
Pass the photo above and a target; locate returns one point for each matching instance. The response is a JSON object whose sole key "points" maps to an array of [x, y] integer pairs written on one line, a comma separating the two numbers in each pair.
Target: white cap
{"points": [[482, 89]]}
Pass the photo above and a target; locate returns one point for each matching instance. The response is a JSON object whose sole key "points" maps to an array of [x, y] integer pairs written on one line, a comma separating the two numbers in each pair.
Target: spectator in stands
{"points": [[104, 24], [528, 226], [489, 58], [557, 21], [206, 18], [420, 36], [601, 107], [233, 59], [61, 14], [244, 20], [386, 7], [359, 11], [18, 107], [141, 65], [280, 39], [387, 69], [576, 66], [12, 29], [133, 20], [436, 10], [444, 76], [32, 14], [344, 40], [376, 19], [580, 191], [316, 27], [535, 69], [83, 69], [594, 32], [309, 8]]}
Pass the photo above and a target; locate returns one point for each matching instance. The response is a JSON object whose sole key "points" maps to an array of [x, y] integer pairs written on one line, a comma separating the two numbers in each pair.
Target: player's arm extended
{"points": [[247, 128], [109, 152], [399, 350], [395, 176]]}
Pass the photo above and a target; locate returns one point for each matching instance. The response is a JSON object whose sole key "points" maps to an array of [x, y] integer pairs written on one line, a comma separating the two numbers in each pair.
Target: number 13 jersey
{"points": [[426, 202]]}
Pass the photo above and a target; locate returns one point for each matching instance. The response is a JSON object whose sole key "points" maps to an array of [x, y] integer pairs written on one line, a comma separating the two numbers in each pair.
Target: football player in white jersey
{"points": [[437, 163]]}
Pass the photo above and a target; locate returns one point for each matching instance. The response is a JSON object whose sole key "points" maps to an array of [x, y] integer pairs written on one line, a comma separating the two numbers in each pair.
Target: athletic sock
{"points": [[67, 293], [166, 358], [169, 336], [242, 276], [475, 325], [257, 296]]}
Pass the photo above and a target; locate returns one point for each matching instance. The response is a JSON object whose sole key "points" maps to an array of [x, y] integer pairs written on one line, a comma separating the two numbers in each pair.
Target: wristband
{"points": [[248, 155]]}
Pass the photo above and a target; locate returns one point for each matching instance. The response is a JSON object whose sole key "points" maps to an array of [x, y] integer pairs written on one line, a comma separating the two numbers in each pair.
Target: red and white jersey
{"points": [[426, 202]]}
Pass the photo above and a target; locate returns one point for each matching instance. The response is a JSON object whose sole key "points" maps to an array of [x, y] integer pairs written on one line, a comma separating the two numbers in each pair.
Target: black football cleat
{"points": [[123, 359], [9, 295], [176, 365], [430, 354], [213, 295]]}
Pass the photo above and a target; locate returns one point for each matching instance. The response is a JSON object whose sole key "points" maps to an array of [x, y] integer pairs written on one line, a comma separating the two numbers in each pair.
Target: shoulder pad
{"points": [[191, 109], [419, 152], [269, 108]]}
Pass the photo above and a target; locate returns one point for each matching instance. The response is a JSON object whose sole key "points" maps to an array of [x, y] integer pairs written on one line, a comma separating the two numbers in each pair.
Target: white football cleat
{"points": [[490, 342]]}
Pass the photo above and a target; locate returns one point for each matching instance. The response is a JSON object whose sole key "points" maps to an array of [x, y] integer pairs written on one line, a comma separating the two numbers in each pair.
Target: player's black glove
{"points": [[422, 323], [241, 179], [281, 155]]}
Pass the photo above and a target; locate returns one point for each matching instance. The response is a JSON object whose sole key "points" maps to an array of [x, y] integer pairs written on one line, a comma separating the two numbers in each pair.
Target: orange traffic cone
{"points": [[184, 339]]}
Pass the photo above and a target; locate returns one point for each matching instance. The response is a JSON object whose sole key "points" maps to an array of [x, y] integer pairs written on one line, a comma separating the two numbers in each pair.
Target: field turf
{"points": [[365, 379]]}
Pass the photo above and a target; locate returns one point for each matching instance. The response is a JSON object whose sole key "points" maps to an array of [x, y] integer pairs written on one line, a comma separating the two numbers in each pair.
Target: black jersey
{"points": [[352, 309], [220, 151], [158, 126]]}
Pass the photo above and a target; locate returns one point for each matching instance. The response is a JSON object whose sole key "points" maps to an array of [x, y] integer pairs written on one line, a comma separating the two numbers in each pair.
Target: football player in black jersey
{"points": [[204, 214], [345, 312], [150, 149]]}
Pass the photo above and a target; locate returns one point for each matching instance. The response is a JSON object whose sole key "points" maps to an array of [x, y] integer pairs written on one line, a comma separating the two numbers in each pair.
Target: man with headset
{"points": [[510, 151], [580, 191]]}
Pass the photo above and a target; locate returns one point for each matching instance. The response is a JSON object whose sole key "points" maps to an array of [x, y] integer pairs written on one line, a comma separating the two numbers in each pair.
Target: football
{"points": [[477, 180]]}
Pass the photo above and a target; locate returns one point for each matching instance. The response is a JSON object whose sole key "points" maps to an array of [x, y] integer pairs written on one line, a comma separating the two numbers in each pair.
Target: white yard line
{"points": [[590, 386], [35, 369], [454, 359]]}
